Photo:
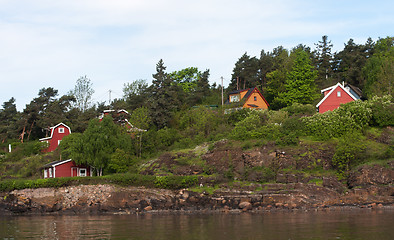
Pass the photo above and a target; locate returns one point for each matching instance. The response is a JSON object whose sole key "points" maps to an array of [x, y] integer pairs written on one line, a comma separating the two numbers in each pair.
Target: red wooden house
{"points": [[248, 98], [336, 95], [57, 134], [66, 168]]}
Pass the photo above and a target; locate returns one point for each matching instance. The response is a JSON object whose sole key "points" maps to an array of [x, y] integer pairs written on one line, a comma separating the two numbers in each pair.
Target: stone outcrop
{"points": [[257, 197]]}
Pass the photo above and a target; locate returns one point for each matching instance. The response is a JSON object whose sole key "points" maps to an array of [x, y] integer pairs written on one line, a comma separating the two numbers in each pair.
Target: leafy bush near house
{"points": [[298, 109], [353, 116], [382, 111]]}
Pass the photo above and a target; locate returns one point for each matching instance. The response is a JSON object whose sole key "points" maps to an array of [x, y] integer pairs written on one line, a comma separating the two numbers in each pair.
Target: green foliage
{"points": [[199, 121], [97, 144], [353, 116], [140, 118], [167, 137], [122, 161], [298, 109], [348, 152], [378, 69], [382, 111], [187, 78], [249, 127], [300, 82]]}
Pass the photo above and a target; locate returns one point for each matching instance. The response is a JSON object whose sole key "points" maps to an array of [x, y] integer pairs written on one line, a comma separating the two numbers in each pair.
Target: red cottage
{"points": [[57, 134], [66, 168], [336, 95]]}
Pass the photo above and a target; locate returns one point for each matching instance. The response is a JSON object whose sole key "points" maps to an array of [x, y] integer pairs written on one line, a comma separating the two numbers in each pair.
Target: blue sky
{"points": [[46, 43]]}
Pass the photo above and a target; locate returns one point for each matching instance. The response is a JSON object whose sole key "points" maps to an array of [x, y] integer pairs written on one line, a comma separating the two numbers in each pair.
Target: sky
{"points": [[46, 43]]}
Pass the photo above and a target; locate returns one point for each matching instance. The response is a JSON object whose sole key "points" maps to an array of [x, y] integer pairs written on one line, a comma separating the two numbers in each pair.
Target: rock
{"points": [[245, 205], [148, 208]]}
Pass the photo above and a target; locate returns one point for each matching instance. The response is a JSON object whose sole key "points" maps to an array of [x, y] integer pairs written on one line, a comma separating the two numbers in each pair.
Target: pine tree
{"points": [[163, 101], [324, 62], [300, 81]]}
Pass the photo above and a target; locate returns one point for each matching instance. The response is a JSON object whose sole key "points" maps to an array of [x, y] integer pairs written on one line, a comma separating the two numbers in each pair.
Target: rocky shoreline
{"points": [[99, 199]]}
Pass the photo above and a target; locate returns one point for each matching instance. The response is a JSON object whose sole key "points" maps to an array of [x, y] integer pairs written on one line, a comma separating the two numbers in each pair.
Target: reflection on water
{"points": [[292, 225]]}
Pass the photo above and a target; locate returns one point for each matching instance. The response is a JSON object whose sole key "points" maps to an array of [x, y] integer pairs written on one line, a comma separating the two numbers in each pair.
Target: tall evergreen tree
{"points": [[350, 62], [281, 64], [300, 81], [164, 100], [8, 119], [245, 73], [324, 63]]}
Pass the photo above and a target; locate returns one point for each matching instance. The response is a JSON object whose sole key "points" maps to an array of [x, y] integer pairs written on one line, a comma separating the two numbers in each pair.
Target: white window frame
{"points": [[83, 169], [234, 98], [61, 130], [339, 93], [50, 172], [45, 173]]}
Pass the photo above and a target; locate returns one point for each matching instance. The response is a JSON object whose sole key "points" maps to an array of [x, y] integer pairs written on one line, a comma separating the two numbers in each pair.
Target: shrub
{"points": [[249, 128], [350, 117], [298, 109], [382, 111], [348, 152]]}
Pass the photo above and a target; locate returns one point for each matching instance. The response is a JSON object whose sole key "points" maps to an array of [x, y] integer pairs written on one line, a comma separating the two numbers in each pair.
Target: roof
{"points": [[355, 89], [247, 95], [56, 163], [332, 88], [52, 128]]}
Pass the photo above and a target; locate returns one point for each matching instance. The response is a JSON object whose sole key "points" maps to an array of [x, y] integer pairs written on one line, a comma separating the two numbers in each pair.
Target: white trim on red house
{"points": [[53, 129], [60, 163], [332, 90]]}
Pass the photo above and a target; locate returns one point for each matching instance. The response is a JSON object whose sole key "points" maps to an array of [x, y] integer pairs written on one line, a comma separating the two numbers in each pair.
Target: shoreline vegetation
{"points": [[199, 155]]}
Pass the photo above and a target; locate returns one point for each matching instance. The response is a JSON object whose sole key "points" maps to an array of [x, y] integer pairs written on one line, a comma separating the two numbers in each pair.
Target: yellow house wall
{"points": [[259, 101]]}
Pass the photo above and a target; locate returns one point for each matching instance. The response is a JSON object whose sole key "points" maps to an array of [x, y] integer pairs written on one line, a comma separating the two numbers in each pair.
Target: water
{"points": [[359, 224]]}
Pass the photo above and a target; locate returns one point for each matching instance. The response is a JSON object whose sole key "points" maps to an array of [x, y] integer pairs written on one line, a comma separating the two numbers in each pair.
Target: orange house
{"points": [[248, 98]]}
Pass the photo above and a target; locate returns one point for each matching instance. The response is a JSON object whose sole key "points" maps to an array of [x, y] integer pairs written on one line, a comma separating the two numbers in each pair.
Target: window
{"points": [[234, 98], [255, 98], [61, 130], [50, 172], [45, 173], [339, 94], [82, 172]]}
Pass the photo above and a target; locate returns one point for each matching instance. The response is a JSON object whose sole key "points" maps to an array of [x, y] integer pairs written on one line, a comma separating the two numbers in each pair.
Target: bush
{"points": [[298, 109], [350, 117], [348, 152], [249, 127], [382, 111]]}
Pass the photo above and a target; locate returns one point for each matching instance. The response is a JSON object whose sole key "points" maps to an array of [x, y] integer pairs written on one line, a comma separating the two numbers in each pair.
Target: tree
{"points": [[8, 119], [245, 73], [379, 69], [135, 93], [300, 81], [31, 122], [266, 66], [324, 62], [97, 144], [83, 92], [164, 100], [350, 62], [281, 64], [187, 78]]}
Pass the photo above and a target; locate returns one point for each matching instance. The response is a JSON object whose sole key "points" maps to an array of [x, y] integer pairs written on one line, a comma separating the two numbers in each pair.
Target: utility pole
{"points": [[222, 92], [109, 92]]}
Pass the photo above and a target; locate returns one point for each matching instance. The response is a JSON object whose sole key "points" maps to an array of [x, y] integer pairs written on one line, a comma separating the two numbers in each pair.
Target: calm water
{"points": [[311, 225]]}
